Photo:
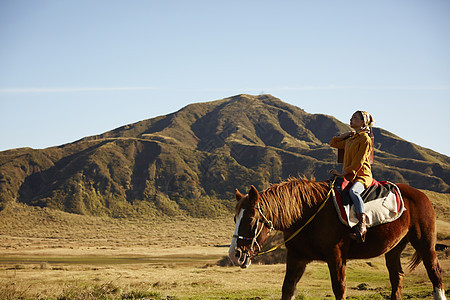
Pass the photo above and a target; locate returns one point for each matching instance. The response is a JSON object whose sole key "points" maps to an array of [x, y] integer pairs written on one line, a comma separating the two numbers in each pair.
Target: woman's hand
{"points": [[346, 135], [336, 173]]}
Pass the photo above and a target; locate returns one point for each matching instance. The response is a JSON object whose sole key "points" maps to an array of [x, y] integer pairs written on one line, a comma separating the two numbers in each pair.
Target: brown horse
{"points": [[289, 205]]}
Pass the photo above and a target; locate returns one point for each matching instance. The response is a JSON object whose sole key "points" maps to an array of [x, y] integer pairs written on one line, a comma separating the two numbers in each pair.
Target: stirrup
{"points": [[356, 234]]}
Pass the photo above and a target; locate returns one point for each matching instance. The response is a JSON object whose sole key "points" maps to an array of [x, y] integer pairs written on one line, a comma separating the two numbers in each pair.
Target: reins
{"points": [[301, 228]]}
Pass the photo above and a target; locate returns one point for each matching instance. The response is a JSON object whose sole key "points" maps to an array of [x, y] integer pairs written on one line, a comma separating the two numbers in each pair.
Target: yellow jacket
{"points": [[356, 166]]}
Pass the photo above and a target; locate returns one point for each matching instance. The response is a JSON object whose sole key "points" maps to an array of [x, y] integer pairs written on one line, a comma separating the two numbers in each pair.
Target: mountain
{"points": [[191, 161]]}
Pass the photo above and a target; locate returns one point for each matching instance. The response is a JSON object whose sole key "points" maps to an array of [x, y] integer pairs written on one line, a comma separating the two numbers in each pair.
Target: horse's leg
{"points": [[295, 268], [431, 263], [337, 266], [394, 266], [423, 239]]}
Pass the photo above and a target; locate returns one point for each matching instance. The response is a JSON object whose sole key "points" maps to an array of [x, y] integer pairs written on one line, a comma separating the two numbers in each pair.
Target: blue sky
{"points": [[70, 69]]}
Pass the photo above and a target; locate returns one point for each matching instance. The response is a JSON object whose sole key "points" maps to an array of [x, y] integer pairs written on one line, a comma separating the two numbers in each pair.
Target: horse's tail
{"points": [[415, 261]]}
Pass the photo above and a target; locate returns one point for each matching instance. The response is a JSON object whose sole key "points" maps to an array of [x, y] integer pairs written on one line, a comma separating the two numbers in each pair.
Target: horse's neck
{"points": [[290, 213]]}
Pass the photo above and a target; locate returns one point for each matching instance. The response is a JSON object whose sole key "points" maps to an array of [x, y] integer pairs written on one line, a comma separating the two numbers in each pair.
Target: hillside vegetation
{"points": [[190, 162]]}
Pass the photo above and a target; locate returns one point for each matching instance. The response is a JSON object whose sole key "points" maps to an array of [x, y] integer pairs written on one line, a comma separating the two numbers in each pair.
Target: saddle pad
{"points": [[383, 203]]}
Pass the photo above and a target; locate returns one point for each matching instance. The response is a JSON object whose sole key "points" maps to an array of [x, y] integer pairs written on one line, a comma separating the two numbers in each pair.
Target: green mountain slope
{"points": [[191, 161]]}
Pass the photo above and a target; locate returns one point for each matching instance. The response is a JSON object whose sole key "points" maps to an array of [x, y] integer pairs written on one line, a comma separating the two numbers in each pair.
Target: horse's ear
{"points": [[239, 196], [253, 195]]}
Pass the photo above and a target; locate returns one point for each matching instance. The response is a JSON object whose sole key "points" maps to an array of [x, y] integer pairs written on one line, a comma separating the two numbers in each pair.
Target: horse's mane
{"points": [[283, 203]]}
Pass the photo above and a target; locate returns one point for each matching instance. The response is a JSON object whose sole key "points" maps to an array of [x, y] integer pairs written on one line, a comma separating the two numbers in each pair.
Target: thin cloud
{"points": [[75, 89]]}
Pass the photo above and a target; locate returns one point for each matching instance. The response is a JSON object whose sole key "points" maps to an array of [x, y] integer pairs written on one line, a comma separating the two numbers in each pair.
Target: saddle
{"points": [[383, 203]]}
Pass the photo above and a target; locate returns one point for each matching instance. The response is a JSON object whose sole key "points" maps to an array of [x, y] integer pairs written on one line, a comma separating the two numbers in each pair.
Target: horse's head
{"points": [[251, 231]]}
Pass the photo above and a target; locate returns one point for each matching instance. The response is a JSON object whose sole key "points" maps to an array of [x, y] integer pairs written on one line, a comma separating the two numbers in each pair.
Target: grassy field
{"points": [[47, 254]]}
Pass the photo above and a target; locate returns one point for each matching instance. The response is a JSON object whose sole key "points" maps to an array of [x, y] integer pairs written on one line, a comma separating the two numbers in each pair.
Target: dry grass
{"points": [[47, 254]]}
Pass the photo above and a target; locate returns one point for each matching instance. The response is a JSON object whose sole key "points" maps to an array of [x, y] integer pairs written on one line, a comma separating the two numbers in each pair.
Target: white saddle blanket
{"points": [[381, 210]]}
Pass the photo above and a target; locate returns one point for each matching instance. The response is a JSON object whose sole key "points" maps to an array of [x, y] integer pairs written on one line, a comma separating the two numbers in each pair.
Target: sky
{"points": [[75, 68]]}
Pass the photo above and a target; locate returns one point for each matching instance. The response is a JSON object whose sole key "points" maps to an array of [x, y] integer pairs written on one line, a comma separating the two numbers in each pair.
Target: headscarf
{"points": [[368, 121], [367, 118]]}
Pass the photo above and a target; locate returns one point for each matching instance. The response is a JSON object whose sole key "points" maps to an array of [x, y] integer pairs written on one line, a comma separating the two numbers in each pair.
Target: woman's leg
{"points": [[355, 194], [360, 228]]}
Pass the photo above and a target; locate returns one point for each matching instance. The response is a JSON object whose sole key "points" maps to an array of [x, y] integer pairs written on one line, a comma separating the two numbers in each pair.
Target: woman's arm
{"points": [[339, 141], [345, 135]]}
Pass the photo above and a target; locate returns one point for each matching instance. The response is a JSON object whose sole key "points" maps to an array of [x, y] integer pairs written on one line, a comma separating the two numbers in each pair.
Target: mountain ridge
{"points": [[190, 161]]}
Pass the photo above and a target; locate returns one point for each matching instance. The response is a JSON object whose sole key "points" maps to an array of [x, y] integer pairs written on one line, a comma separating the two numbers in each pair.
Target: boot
{"points": [[360, 229]]}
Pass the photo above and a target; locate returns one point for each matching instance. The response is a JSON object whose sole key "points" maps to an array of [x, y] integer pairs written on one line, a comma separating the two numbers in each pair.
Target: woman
{"points": [[356, 166]]}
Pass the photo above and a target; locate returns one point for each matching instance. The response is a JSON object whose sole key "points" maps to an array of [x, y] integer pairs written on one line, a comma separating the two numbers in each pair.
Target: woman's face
{"points": [[356, 122]]}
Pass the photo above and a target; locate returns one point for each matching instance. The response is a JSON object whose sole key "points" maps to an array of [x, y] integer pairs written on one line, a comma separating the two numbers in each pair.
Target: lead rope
{"points": [[301, 228]]}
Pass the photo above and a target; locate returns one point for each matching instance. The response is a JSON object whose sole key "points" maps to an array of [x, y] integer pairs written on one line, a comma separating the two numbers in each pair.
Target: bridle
{"points": [[258, 229]]}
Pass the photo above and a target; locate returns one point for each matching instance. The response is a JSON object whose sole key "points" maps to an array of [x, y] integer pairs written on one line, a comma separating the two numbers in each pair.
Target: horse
{"points": [[290, 205]]}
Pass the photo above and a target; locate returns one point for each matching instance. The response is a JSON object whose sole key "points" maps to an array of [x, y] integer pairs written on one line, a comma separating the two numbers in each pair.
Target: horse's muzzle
{"points": [[247, 261], [241, 258]]}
